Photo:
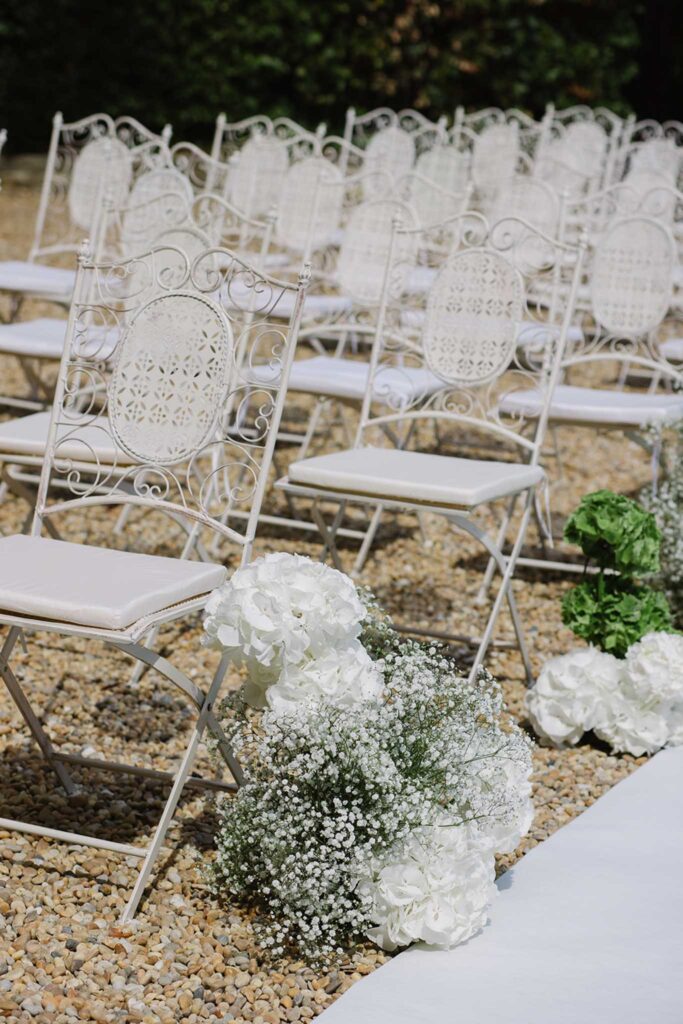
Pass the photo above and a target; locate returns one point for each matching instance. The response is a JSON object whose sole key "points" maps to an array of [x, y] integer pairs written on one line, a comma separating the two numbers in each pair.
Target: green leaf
{"points": [[615, 532]]}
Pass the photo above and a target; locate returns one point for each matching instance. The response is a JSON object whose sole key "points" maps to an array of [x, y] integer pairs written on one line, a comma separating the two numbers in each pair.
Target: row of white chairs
{"points": [[478, 356]]}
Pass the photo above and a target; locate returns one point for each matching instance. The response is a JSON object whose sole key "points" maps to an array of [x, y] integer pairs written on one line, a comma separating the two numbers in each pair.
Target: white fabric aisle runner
{"points": [[587, 928]]}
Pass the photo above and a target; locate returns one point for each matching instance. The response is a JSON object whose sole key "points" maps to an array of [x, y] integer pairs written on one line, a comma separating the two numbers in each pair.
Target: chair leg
{"points": [[507, 567], [368, 540], [328, 534], [176, 792], [311, 427], [29, 715], [500, 541]]}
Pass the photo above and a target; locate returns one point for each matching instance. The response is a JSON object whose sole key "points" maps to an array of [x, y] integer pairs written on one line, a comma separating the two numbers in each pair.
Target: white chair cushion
{"points": [[421, 279], [36, 278], [672, 349], [97, 587], [597, 406], [414, 476], [36, 339], [27, 435], [347, 379], [44, 339]]}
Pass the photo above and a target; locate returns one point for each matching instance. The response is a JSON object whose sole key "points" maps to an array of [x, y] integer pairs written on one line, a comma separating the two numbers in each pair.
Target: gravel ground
{"points": [[185, 957]]}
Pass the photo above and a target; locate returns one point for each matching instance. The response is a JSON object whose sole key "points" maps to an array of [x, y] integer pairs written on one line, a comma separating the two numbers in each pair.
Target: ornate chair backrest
{"points": [[159, 199], [86, 159], [467, 346], [310, 208], [656, 156], [562, 169], [192, 422], [229, 138], [390, 151], [134, 134], [494, 157], [589, 142], [431, 202], [226, 226], [257, 174], [446, 166], [647, 193], [632, 277], [364, 249], [54, 230], [204, 174], [529, 199], [104, 159]]}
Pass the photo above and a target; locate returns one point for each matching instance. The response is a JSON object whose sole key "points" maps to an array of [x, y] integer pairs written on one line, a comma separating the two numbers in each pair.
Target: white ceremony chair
{"points": [[229, 138], [159, 218], [169, 431], [468, 351], [624, 336], [84, 158], [496, 155]]}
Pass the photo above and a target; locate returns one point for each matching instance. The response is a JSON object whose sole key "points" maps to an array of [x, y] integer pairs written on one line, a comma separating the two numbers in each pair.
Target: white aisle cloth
{"points": [[587, 928]]}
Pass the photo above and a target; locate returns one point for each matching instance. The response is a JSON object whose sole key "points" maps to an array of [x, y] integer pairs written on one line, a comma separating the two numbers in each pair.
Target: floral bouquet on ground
{"points": [[379, 784], [627, 686]]}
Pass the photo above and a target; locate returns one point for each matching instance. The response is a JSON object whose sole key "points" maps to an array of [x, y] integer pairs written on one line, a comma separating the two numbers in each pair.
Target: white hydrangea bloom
{"points": [[282, 609], [633, 729], [342, 678], [655, 667], [675, 724], [573, 693], [504, 834], [437, 888]]}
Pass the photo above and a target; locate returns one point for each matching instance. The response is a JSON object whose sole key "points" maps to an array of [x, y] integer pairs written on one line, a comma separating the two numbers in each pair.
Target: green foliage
{"points": [[183, 61], [612, 612], [615, 532]]}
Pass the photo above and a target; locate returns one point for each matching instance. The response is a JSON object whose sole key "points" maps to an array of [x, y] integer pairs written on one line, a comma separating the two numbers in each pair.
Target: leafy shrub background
{"points": [[185, 60]]}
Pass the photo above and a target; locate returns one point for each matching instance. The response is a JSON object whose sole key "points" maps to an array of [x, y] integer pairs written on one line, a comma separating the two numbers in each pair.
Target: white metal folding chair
{"points": [[467, 347], [228, 138], [168, 430], [626, 327], [84, 158]]}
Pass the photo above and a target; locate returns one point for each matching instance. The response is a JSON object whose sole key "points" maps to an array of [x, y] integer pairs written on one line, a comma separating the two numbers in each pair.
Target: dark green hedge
{"points": [[185, 60]]}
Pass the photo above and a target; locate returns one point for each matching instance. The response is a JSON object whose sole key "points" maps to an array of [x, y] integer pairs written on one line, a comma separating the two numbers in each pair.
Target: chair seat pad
{"points": [[336, 377], [418, 477], [97, 587], [597, 406], [27, 435], [36, 339], [672, 349], [37, 278], [44, 339]]}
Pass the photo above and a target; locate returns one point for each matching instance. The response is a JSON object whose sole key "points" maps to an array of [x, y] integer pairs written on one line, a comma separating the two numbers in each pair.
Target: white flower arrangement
{"points": [[635, 703], [288, 620], [379, 784]]}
